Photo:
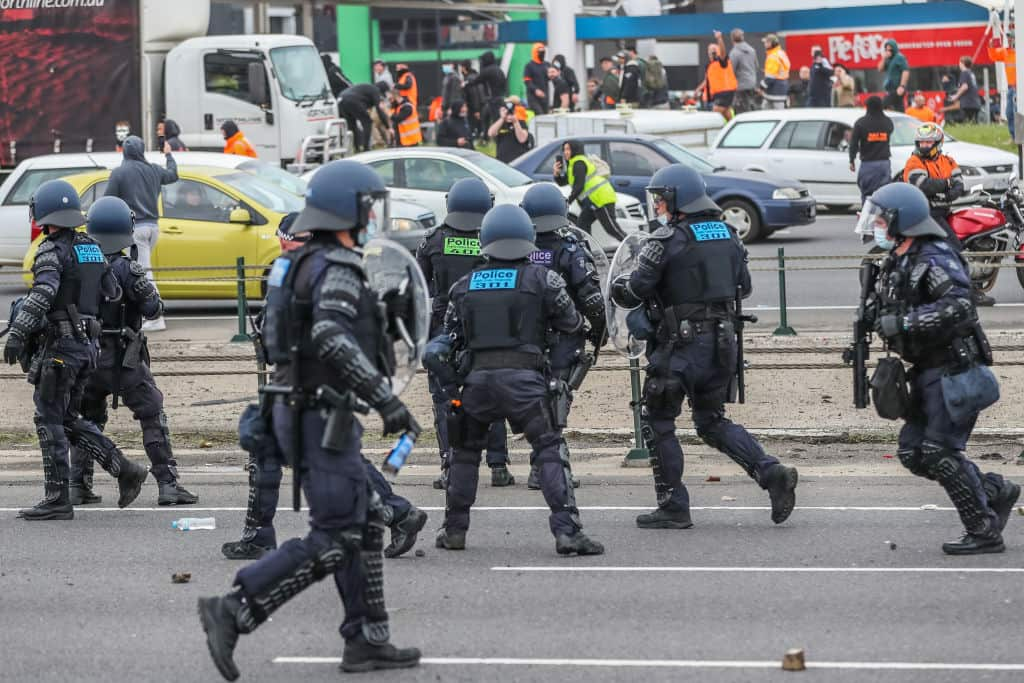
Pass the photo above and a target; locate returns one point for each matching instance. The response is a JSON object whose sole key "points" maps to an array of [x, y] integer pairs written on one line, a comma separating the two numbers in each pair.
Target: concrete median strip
{"points": [[678, 664]]}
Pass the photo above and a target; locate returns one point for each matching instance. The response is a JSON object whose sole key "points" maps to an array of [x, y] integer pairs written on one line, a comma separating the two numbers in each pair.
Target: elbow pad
{"points": [[336, 347]]}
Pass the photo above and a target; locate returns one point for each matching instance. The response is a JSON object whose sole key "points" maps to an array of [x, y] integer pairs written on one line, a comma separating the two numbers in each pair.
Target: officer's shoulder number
{"points": [[710, 231]]}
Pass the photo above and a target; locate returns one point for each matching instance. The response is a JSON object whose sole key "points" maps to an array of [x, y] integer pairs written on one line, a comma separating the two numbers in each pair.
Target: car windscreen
{"points": [[30, 181], [503, 172], [262, 192], [680, 155], [276, 176], [904, 128]]}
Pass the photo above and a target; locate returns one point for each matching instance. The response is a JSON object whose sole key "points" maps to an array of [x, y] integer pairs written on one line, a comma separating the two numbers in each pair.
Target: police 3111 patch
{"points": [[499, 278], [710, 231], [89, 253]]}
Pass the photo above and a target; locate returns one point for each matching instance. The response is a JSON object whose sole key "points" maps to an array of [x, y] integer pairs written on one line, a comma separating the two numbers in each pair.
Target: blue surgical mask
{"points": [[882, 239], [446, 69], [663, 219]]}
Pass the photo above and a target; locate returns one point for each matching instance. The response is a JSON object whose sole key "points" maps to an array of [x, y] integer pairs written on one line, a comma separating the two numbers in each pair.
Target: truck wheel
{"points": [[741, 215]]}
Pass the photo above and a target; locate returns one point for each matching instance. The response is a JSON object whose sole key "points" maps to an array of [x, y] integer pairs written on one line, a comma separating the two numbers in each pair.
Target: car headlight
{"points": [[970, 170], [620, 212], [786, 193], [403, 225]]}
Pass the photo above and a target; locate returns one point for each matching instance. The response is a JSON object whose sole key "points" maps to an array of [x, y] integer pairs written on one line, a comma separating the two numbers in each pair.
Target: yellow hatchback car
{"points": [[210, 217]]}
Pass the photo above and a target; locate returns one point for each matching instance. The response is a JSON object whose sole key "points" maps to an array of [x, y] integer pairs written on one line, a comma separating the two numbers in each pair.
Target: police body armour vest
{"points": [[706, 269], [503, 307], [460, 253], [289, 317], [110, 311], [80, 282]]}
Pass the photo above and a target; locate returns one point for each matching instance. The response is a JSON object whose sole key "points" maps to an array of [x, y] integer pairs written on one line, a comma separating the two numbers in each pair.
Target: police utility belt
{"points": [[338, 407], [506, 360], [70, 324]]}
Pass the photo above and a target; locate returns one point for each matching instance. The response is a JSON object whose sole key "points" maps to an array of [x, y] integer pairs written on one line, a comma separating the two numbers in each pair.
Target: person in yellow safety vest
{"points": [[405, 121], [776, 73], [593, 191]]}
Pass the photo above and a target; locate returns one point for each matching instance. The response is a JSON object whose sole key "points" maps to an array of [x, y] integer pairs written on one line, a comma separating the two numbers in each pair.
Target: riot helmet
{"points": [[507, 233], [545, 204], [682, 189], [56, 203], [344, 195], [468, 201], [111, 223], [895, 211]]}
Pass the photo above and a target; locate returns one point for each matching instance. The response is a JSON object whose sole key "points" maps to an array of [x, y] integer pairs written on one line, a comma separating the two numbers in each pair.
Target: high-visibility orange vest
{"points": [[720, 79], [407, 87], [409, 132], [1007, 56], [240, 145], [435, 113]]}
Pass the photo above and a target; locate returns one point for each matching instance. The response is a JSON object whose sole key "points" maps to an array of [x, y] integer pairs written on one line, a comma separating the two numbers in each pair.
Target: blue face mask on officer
{"points": [[882, 238]]}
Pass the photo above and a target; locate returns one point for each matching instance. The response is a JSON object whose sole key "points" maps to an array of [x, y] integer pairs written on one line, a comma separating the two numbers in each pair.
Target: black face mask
{"points": [[540, 55]]}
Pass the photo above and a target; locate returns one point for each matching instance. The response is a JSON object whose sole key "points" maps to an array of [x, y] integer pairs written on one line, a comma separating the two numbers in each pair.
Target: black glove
{"points": [[396, 417], [598, 336], [399, 307], [13, 349], [621, 293], [889, 325]]}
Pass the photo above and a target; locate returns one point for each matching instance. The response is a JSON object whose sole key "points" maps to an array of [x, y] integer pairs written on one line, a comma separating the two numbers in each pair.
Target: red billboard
{"points": [[69, 71], [861, 49]]}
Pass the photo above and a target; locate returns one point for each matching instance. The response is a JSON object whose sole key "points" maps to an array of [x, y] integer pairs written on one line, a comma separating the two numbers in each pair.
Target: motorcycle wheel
{"points": [[989, 283]]}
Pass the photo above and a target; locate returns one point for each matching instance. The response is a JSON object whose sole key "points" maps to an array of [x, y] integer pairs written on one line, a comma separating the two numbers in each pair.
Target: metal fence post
{"points": [[243, 304], [783, 330], [638, 456]]}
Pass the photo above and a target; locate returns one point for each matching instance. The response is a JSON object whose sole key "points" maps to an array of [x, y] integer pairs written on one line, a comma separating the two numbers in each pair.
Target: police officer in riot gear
{"points": [[446, 254], [499, 318], [563, 251], [266, 460], [123, 367], [687, 279], [922, 307], [69, 282], [324, 320]]}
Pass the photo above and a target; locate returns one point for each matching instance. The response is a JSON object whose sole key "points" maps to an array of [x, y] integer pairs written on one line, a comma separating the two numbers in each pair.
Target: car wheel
{"points": [[742, 216]]}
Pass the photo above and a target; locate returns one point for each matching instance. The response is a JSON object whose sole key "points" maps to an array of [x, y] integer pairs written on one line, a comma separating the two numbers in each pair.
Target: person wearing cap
{"points": [[775, 84], [54, 335], [689, 274], [445, 255], [323, 325], [500, 318], [123, 367]]}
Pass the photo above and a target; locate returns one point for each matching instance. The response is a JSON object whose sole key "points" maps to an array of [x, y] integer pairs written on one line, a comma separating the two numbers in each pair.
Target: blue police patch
{"points": [[89, 253], [500, 278], [543, 257], [710, 231], [278, 272]]}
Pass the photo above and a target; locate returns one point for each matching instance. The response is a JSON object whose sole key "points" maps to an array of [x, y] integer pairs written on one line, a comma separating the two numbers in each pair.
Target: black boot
{"points": [[980, 298], [500, 476], [577, 543], [975, 544], [221, 627], [56, 505], [362, 655], [1002, 503], [173, 493], [79, 494], [129, 483], [663, 518], [781, 485], [244, 550], [450, 539], [441, 483], [404, 531]]}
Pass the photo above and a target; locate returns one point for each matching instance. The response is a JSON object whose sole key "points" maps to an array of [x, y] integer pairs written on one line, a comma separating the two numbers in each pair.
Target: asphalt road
{"points": [[817, 300], [865, 591]]}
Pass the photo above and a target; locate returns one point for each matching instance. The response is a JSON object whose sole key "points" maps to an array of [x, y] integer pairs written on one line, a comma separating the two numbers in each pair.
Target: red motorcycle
{"points": [[995, 225]]}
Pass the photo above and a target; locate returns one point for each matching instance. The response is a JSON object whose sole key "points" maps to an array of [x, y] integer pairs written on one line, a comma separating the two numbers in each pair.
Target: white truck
{"points": [[141, 61]]}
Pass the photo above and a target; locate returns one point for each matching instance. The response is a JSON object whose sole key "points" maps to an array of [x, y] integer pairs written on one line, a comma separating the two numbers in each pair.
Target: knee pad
{"points": [[709, 426], [940, 464], [912, 459], [538, 421]]}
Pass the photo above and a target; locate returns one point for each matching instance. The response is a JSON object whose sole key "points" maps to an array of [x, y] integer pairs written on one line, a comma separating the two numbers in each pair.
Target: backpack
{"points": [[601, 166], [654, 79]]}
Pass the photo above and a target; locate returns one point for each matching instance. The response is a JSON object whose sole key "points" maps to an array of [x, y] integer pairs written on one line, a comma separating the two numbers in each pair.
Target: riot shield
{"points": [[625, 262], [596, 252], [392, 271]]}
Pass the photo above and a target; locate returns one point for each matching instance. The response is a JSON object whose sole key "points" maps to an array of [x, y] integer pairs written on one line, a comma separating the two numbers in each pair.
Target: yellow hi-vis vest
{"points": [[596, 188]]}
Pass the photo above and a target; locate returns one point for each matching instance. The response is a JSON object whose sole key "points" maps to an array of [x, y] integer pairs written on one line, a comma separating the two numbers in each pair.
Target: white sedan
{"points": [[423, 176], [812, 145]]}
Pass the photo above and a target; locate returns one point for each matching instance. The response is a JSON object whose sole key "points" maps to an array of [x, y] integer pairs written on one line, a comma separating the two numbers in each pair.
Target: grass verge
{"points": [[992, 135]]}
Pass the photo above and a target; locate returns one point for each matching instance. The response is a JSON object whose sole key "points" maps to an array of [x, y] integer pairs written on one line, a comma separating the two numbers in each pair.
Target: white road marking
{"points": [[843, 308], [679, 663], [768, 570], [536, 508]]}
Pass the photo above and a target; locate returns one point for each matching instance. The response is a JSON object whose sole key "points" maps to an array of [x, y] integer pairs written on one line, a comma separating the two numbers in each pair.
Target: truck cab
{"points": [[273, 86]]}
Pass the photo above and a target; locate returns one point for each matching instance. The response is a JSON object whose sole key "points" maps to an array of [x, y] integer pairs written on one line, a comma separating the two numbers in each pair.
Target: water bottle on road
{"points": [[193, 523]]}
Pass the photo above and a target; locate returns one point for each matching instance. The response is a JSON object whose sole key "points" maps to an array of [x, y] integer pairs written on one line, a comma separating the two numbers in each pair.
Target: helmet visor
{"points": [[378, 213], [873, 217], [659, 202]]}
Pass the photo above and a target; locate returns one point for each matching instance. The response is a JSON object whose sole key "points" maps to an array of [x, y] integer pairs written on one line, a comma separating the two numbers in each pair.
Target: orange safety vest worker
{"points": [[1008, 56], [924, 114], [720, 78], [409, 132], [238, 144], [406, 87]]}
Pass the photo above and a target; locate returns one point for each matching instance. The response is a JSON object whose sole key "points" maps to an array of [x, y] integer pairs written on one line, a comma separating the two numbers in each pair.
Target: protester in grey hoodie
{"points": [[744, 65], [137, 182]]}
